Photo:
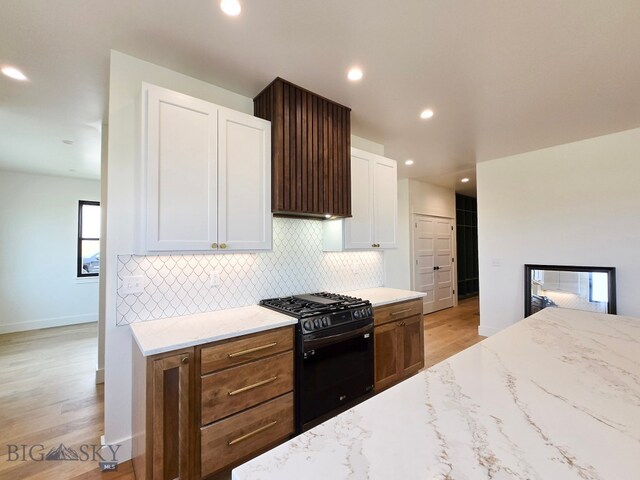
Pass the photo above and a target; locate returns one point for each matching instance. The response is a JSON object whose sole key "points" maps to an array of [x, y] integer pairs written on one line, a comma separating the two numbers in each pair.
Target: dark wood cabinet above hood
{"points": [[311, 151]]}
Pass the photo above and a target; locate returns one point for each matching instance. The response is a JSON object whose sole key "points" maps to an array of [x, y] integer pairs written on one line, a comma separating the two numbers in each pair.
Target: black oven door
{"points": [[335, 371]]}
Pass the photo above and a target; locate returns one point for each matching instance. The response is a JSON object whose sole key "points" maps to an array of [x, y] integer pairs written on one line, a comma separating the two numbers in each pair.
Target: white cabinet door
{"points": [[181, 171], [374, 207], [358, 230], [385, 202], [244, 197]]}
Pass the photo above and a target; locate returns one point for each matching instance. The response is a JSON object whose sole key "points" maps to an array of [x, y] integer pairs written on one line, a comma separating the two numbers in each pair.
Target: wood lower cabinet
{"points": [[412, 345], [240, 437], [387, 344], [200, 411], [398, 342], [163, 415]]}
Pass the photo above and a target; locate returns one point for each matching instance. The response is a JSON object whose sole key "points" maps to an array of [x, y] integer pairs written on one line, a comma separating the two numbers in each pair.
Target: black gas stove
{"points": [[320, 311], [334, 353]]}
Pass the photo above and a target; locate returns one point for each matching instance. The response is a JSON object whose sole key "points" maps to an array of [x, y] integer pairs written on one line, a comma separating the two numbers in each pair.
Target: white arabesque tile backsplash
{"points": [[179, 284]]}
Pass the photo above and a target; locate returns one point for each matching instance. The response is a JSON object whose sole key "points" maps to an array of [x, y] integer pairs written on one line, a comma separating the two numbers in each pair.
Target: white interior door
{"points": [[433, 261]]}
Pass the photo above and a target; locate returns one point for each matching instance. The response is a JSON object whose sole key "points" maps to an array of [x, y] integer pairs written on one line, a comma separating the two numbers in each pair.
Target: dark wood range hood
{"points": [[311, 151]]}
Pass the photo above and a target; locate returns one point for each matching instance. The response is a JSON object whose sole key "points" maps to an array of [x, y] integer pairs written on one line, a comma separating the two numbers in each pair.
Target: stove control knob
{"points": [[326, 322], [356, 314], [370, 311], [308, 325], [316, 323]]}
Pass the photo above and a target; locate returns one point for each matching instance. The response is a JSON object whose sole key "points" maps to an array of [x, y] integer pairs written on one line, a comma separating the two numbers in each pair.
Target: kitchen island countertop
{"points": [[379, 296], [556, 396]]}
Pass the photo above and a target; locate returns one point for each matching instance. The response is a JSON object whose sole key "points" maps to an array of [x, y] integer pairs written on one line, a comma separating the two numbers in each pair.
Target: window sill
{"points": [[81, 280]]}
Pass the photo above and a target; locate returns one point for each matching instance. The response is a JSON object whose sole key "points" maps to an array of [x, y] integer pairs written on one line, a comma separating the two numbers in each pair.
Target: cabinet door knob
{"points": [[223, 245], [214, 245], [185, 360]]}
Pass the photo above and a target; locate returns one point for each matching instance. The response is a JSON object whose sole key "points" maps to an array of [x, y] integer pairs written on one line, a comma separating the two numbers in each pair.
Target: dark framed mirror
{"points": [[591, 289]]}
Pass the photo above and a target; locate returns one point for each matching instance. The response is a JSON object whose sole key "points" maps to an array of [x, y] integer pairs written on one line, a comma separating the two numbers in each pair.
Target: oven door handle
{"points": [[321, 342]]}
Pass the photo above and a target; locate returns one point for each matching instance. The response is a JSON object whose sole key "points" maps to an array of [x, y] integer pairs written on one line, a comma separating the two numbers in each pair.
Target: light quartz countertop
{"points": [[383, 296], [556, 396], [167, 334]]}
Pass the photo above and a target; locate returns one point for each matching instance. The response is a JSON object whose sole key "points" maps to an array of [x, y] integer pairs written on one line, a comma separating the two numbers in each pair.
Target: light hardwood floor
{"points": [[48, 396], [450, 331], [48, 393]]}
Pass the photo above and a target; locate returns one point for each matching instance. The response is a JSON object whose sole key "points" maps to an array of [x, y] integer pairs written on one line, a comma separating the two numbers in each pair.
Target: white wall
{"points": [[127, 74], [397, 262], [415, 197], [573, 204], [428, 199], [38, 248]]}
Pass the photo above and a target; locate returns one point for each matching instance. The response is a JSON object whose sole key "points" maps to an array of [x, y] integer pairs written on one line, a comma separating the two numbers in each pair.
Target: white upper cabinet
{"points": [[385, 202], [206, 174], [358, 229], [244, 169], [374, 206]]}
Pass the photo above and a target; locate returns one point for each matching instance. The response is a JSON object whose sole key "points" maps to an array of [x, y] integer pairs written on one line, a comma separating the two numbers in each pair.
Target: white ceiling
{"points": [[503, 76]]}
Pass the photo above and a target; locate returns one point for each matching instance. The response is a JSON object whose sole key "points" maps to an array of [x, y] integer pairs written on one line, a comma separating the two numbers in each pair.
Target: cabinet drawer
{"points": [[245, 349], [234, 439], [397, 311], [235, 389]]}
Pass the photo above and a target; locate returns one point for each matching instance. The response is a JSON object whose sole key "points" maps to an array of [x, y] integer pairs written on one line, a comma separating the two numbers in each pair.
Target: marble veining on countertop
{"points": [[382, 295], [556, 396], [159, 336]]}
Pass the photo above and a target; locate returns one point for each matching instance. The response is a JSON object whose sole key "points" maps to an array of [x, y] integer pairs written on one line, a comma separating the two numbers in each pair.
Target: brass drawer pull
{"points": [[251, 350], [251, 434], [251, 387], [393, 314], [214, 245]]}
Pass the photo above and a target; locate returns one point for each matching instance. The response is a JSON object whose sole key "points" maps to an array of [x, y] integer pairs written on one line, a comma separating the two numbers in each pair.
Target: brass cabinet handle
{"points": [[251, 434], [223, 245], [251, 387], [214, 245], [185, 360], [393, 314], [251, 350]]}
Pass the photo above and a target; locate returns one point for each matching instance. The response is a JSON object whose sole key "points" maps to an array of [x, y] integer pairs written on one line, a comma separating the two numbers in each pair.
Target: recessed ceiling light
{"points": [[14, 73], [68, 142], [408, 162], [464, 180], [231, 7], [355, 74], [428, 113]]}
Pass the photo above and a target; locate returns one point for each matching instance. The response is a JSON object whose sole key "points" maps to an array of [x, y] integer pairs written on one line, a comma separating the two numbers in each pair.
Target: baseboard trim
{"points": [[99, 376], [48, 323], [485, 331], [124, 452]]}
